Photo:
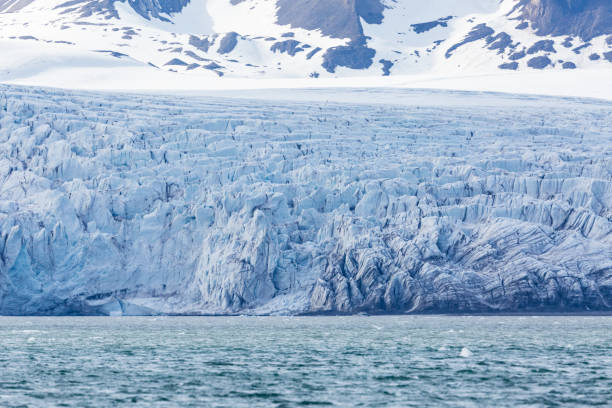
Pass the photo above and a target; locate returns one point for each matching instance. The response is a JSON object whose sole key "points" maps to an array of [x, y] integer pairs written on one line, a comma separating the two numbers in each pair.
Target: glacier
{"points": [[303, 202]]}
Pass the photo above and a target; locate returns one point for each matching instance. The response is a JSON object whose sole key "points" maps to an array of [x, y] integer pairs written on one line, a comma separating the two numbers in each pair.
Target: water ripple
{"points": [[318, 361]]}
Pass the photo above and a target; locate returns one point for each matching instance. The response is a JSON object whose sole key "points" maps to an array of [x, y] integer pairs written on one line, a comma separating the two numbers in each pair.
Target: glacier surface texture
{"points": [[419, 201]]}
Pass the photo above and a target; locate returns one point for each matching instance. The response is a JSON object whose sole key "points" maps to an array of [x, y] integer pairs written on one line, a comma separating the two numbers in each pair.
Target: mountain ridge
{"points": [[319, 38]]}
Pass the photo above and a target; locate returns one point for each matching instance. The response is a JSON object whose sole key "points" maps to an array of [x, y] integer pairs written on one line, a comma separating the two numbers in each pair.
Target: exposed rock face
{"points": [[228, 43], [146, 8], [153, 7], [338, 19], [335, 18], [354, 56], [583, 18], [138, 204], [12, 6]]}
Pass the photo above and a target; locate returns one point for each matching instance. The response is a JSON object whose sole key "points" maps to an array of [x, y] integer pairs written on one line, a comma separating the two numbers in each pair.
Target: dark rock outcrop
{"points": [[582, 18]]}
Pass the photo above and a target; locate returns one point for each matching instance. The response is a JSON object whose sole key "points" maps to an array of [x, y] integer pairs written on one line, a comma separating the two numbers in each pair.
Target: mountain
{"points": [[410, 201], [586, 19], [308, 38]]}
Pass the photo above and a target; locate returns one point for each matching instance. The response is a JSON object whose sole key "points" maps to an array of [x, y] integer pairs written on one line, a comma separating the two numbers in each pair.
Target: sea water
{"points": [[382, 361]]}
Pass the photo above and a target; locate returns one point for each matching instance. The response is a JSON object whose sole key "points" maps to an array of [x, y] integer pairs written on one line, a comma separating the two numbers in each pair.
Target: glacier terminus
{"points": [[410, 201]]}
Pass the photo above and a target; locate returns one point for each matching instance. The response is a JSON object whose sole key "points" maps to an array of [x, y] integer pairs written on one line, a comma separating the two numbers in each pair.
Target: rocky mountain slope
{"points": [[417, 201], [307, 38]]}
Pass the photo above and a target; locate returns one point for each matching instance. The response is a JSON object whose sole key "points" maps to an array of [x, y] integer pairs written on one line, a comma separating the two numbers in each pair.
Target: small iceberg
{"points": [[466, 353]]}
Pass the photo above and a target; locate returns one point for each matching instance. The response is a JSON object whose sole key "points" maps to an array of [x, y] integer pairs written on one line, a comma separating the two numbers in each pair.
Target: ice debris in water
{"points": [[128, 204], [465, 353]]}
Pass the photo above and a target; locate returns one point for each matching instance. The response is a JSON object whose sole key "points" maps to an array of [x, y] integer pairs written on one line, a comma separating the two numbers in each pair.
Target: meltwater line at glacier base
{"points": [[134, 204]]}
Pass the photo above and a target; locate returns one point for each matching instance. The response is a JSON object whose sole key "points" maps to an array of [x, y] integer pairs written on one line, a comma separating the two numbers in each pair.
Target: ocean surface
{"points": [[391, 361]]}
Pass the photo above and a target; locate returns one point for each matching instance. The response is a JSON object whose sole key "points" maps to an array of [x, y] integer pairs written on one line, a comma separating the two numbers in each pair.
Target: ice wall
{"points": [[134, 204]]}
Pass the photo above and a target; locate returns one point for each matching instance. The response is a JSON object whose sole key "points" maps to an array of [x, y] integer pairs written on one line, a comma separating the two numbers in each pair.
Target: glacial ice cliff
{"points": [[135, 204]]}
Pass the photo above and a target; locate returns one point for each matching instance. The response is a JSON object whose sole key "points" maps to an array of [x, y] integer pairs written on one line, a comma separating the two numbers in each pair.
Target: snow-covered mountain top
{"points": [[200, 41]]}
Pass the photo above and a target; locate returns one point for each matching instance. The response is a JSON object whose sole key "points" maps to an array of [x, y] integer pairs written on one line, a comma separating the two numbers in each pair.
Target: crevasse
{"points": [[134, 204]]}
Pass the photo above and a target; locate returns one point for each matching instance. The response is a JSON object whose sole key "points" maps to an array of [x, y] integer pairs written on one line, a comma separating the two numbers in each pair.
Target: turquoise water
{"points": [[394, 361]]}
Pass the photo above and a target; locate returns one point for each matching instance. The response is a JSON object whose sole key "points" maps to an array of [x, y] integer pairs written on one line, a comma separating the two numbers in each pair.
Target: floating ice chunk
{"points": [[466, 353]]}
